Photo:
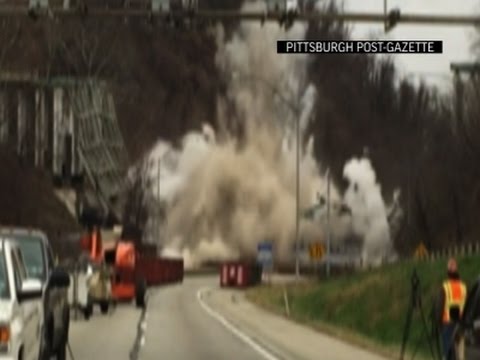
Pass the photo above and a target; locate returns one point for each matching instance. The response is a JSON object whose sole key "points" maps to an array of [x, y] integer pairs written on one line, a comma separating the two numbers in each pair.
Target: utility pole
{"points": [[459, 97], [385, 14], [328, 223], [471, 68], [391, 18], [297, 217], [458, 69], [159, 162]]}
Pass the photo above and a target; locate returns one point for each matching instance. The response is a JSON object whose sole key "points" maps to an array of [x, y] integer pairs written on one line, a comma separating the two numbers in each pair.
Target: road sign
{"points": [[421, 251], [317, 251], [265, 254]]}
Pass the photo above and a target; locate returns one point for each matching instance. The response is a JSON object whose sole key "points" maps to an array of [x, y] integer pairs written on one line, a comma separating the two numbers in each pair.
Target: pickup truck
{"points": [[40, 264], [21, 312]]}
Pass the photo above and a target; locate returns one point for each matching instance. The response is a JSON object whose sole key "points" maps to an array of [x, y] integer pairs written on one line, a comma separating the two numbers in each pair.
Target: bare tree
{"points": [[86, 47], [138, 198], [9, 34]]}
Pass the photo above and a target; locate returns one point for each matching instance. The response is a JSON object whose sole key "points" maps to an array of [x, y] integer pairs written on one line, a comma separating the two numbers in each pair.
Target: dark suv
{"points": [[40, 264]]}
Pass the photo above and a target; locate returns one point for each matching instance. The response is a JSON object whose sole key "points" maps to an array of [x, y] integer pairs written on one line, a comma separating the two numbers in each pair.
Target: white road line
{"points": [[244, 337]]}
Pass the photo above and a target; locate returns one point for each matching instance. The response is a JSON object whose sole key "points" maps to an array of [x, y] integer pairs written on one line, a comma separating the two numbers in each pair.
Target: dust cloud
{"points": [[225, 194], [368, 210]]}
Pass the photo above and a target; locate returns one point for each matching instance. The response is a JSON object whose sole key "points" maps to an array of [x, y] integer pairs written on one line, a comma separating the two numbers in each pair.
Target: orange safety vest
{"points": [[455, 296]]}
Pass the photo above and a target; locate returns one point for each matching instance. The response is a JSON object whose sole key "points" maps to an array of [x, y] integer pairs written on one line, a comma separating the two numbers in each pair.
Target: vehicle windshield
{"points": [[31, 247], [4, 290]]}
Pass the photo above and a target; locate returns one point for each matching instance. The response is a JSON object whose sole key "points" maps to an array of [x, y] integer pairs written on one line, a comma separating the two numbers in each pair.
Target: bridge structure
{"points": [[67, 127]]}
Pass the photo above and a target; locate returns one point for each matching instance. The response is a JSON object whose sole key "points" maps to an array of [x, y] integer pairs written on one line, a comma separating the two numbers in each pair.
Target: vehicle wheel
{"points": [[104, 307], [45, 346], [61, 353], [140, 301], [140, 290], [88, 311]]}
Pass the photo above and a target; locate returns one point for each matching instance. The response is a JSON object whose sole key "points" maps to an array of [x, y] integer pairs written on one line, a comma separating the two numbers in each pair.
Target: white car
{"points": [[21, 310]]}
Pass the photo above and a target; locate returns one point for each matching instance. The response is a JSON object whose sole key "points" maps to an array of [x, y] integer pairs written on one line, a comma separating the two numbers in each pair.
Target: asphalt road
{"points": [[179, 328], [105, 337], [174, 326]]}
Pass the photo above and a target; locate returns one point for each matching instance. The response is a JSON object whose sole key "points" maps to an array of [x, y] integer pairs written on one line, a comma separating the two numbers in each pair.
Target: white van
{"points": [[21, 309]]}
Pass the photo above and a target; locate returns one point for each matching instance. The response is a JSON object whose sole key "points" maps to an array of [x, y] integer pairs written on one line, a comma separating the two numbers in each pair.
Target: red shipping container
{"points": [[238, 274]]}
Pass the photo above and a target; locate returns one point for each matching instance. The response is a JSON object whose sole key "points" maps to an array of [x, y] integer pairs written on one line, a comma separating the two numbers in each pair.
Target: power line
{"points": [[453, 20]]}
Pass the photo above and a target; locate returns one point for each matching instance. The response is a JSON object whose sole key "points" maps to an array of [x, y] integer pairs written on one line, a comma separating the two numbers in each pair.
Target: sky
{"points": [[457, 40]]}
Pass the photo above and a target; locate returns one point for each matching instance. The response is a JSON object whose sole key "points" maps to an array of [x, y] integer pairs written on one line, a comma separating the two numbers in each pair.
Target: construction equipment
{"points": [[118, 269], [127, 283], [92, 276], [121, 270], [137, 266]]}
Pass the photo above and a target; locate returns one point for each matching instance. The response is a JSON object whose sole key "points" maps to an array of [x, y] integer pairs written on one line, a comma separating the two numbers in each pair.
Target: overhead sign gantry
{"points": [[189, 9]]}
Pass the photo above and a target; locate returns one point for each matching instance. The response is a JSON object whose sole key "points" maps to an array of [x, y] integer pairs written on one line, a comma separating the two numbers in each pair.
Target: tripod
{"points": [[70, 351], [415, 304]]}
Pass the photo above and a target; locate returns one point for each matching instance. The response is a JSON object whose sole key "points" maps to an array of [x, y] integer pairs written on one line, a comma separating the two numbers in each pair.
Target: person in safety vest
{"points": [[452, 302]]}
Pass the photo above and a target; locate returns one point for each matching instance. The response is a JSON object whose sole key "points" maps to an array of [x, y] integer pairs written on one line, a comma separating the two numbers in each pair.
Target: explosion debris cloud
{"points": [[225, 192], [369, 219]]}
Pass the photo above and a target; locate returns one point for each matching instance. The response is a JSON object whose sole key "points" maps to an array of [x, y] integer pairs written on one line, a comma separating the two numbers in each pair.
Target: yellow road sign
{"points": [[421, 251], [316, 251]]}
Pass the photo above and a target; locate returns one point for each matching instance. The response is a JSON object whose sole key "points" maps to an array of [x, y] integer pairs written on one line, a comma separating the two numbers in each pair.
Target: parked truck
{"points": [[123, 268], [137, 267]]}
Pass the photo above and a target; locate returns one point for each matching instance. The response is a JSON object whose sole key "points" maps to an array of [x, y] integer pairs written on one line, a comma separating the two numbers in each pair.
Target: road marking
{"points": [[144, 328], [244, 337], [140, 336]]}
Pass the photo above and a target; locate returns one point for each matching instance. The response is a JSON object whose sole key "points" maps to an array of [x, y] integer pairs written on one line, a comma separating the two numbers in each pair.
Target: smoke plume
{"points": [[225, 194], [369, 220]]}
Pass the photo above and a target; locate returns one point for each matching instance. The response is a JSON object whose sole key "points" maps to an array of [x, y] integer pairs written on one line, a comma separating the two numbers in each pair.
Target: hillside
{"points": [[163, 79], [28, 199]]}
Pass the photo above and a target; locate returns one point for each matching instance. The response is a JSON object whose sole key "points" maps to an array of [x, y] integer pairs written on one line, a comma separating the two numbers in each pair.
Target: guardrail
{"points": [[457, 250]]}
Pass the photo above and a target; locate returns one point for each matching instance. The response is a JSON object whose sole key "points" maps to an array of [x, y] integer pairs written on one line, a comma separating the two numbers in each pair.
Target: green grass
{"points": [[367, 308]]}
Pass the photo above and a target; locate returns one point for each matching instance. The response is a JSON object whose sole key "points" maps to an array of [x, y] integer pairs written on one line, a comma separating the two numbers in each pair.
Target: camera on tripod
{"points": [[416, 303]]}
